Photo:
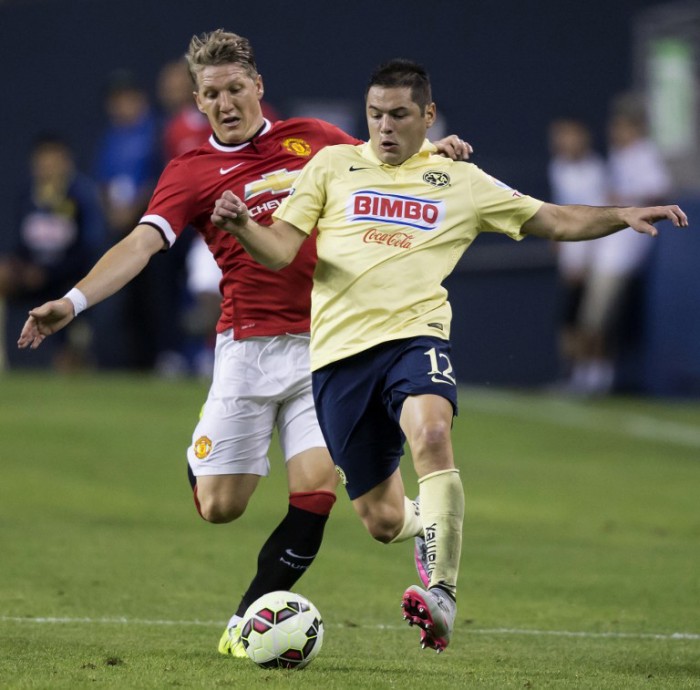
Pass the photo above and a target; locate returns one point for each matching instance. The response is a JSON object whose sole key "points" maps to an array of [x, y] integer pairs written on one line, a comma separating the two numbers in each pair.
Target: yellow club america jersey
{"points": [[387, 238]]}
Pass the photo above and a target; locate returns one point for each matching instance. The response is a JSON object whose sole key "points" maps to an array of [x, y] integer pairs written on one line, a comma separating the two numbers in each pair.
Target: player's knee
{"points": [[432, 438], [218, 511], [383, 526], [382, 532]]}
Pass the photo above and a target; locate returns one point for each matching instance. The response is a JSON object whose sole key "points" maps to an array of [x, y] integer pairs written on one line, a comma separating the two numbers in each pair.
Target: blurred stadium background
{"points": [[501, 71]]}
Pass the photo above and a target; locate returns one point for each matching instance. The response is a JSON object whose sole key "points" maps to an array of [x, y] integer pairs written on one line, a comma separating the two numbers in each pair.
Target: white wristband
{"points": [[78, 300]]}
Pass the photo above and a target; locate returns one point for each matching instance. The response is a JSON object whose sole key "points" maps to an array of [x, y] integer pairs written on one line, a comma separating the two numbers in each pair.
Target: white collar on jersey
{"points": [[237, 147]]}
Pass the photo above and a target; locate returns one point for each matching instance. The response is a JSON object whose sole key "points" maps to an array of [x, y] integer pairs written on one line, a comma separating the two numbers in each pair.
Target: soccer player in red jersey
{"points": [[262, 372]]}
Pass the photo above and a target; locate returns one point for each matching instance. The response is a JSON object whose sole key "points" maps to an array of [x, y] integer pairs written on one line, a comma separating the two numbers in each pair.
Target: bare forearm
{"points": [[271, 246], [588, 222], [274, 246], [121, 264], [572, 223]]}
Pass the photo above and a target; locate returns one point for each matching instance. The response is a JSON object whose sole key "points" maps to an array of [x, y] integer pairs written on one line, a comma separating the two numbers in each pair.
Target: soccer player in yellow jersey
{"points": [[393, 219]]}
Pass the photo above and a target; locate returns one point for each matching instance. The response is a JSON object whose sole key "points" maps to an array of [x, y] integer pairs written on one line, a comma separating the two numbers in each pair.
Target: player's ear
{"points": [[430, 114], [260, 87]]}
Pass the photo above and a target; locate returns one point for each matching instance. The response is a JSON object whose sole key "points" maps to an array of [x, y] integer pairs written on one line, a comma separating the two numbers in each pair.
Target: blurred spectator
{"points": [[56, 237], [128, 160], [638, 175], [184, 127], [577, 175], [136, 329], [602, 277]]}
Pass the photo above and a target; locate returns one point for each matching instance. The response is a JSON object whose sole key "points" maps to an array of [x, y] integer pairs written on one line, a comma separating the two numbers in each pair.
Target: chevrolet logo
{"points": [[276, 182]]}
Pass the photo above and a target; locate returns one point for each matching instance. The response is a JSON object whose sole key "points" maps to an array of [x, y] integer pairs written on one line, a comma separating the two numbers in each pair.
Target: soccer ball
{"points": [[282, 630]]}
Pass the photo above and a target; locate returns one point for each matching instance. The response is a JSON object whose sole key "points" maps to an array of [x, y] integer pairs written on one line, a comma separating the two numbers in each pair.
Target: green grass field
{"points": [[580, 566]]}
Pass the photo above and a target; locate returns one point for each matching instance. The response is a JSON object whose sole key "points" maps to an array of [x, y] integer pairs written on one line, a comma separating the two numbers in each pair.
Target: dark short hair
{"points": [[404, 73]]}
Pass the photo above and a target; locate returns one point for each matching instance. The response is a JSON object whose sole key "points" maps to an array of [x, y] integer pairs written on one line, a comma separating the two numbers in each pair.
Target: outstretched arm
{"points": [[274, 246], [124, 261], [570, 223]]}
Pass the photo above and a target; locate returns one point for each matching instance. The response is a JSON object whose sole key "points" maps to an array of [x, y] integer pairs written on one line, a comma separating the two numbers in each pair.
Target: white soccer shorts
{"points": [[258, 384]]}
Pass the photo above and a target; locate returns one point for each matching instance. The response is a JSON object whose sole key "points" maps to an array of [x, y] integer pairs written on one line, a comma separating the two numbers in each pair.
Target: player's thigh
{"points": [[312, 470], [421, 394], [309, 464], [235, 428], [232, 436], [297, 421], [426, 420], [365, 442]]}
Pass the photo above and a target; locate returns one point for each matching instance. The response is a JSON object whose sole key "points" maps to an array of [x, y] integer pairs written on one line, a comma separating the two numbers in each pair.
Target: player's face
{"points": [[396, 125], [230, 98]]}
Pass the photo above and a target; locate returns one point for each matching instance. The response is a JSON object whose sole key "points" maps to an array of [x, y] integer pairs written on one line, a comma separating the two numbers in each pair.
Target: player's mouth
{"points": [[230, 121], [388, 145]]}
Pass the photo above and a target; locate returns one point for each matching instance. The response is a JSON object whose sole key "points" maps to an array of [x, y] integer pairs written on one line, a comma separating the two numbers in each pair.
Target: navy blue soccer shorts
{"points": [[359, 400]]}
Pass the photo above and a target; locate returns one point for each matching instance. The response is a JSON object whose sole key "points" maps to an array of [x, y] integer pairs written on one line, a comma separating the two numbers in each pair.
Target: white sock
{"points": [[442, 514], [412, 525]]}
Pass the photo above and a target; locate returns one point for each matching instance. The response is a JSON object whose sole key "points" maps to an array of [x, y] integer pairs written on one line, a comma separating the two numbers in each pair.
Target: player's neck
{"points": [[232, 144]]}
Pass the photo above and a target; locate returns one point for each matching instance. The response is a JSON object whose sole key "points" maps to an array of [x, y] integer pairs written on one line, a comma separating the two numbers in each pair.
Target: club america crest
{"points": [[437, 178]]}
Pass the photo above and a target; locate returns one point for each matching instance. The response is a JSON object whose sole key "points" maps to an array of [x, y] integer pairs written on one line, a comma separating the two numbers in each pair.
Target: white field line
{"points": [[581, 415], [473, 631]]}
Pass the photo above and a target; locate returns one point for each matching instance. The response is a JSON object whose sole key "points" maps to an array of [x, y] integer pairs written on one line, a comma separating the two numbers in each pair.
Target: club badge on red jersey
{"points": [[297, 146]]}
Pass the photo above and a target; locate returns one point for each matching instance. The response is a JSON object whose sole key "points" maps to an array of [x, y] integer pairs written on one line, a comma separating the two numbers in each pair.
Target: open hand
{"points": [[642, 219], [45, 320]]}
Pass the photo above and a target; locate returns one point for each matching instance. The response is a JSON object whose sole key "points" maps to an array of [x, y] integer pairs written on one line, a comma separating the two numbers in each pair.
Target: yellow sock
{"points": [[442, 515], [412, 525]]}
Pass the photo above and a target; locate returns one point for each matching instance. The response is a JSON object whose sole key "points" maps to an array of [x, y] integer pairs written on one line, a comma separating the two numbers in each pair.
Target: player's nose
{"points": [[225, 101]]}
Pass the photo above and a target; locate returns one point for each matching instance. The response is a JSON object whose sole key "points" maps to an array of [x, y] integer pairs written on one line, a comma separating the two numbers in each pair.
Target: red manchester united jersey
{"points": [[255, 300]]}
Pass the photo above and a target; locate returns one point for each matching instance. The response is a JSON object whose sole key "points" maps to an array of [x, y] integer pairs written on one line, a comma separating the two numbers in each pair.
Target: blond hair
{"points": [[220, 47]]}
